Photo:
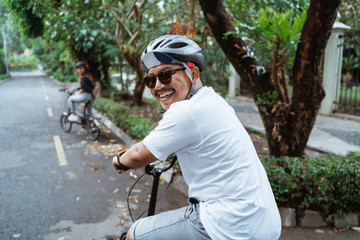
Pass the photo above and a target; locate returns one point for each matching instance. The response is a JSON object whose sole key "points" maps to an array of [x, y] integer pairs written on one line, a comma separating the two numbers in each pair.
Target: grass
{"points": [[3, 76], [346, 93]]}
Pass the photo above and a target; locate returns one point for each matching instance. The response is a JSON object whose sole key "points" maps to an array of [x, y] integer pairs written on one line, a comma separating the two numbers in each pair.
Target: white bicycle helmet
{"points": [[172, 49]]}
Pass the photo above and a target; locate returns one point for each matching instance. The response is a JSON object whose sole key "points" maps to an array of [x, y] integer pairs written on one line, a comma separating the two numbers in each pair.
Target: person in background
{"points": [[86, 81]]}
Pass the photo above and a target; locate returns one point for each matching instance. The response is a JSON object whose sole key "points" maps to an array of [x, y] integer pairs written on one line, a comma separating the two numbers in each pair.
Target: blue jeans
{"points": [[179, 224]]}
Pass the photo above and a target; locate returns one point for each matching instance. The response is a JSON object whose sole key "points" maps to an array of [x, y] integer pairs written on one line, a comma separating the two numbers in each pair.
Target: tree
{"points": [[288, 122], [78, 26]]}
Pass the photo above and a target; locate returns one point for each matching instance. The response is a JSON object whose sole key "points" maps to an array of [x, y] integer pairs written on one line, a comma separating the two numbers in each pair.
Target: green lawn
{"points": [[3, 76], [349, 93]]}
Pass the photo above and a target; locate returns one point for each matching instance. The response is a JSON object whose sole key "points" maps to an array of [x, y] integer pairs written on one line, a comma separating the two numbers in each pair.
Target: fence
{"points": [[349, 94]]}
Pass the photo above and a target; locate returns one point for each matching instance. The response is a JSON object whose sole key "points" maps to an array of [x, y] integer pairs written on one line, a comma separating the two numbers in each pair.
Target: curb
{"points": [[117, 131]]}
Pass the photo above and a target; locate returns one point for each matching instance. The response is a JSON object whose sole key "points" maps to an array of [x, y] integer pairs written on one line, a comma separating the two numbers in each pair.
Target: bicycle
{"points": [[87, 121], [156, 172]]}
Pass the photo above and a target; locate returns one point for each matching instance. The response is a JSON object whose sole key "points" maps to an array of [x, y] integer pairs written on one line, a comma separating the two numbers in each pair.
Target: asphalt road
{"points": [[45, 196]]}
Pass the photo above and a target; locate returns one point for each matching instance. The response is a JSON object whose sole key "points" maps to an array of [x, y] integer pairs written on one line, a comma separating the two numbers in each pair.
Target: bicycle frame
{"points": [[156, 173]]}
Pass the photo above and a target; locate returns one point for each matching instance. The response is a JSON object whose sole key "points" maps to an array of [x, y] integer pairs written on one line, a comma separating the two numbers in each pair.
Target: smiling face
{"points": [[80, 70], [176, 90]]}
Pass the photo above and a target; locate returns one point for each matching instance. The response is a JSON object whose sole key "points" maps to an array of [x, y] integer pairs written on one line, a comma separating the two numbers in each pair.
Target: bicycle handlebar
{"points": [[70, 92], [152, 170]]}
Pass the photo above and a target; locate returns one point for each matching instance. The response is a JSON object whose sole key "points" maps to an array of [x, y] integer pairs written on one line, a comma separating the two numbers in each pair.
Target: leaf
{"points": [[17, 235], [136, 190], [123, 213], [356, 229], [78, 198], [115, 191], [122, 221]]}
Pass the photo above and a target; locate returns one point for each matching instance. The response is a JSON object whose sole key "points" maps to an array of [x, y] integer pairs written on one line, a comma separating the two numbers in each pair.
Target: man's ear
{"points": [[195, 73]]}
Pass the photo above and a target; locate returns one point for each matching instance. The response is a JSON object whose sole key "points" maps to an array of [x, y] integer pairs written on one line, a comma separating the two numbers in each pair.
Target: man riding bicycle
{"points": [[229, 193]]}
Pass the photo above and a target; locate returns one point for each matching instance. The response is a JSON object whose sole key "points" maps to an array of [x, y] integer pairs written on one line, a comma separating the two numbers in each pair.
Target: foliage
{"points": [[137, 127], [3, 76], [2, 62], [18, 63], [329, 183], [27, 19]]}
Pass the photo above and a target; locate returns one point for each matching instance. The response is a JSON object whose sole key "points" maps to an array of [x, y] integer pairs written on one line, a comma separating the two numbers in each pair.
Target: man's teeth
{"points": [[165, 94]]}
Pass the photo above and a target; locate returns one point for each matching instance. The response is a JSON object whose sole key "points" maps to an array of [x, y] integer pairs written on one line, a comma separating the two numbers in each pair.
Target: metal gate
{"points": [[349, 94]]}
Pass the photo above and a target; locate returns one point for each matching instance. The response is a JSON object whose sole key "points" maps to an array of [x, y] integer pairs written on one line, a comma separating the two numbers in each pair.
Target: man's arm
{"points": [[136, 157]]}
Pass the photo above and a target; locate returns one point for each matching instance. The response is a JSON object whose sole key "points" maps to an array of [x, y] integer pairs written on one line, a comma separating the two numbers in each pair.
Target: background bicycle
{"points": [[87, 121]]}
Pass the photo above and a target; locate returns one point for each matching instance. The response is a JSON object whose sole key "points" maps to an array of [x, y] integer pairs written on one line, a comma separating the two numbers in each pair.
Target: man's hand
{"points": [[117, 164], [135, 157]]}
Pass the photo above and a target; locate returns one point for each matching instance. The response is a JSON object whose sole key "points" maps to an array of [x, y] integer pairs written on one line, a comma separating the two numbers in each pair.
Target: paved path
{"points": [[330, 134]]}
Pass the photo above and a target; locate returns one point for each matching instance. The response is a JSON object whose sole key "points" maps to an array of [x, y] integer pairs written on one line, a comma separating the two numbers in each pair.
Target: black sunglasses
{"points": [[164, 77]]}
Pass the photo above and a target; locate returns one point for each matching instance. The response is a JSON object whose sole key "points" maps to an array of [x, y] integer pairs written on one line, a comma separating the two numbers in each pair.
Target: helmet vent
{"points": [[157, 45], [178, 45]]}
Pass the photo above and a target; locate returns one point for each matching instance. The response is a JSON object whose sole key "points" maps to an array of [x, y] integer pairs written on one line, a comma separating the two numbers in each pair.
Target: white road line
{"points": [[46, 98], [50, 112], [60, 151]]}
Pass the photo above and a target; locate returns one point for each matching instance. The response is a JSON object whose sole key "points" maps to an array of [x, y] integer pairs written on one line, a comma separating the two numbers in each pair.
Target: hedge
{"points": [[137, 127], [329, 183]]}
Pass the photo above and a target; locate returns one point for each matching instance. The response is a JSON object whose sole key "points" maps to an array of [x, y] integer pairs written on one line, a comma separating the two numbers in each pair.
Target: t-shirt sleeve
{"points": [[176, 132]]}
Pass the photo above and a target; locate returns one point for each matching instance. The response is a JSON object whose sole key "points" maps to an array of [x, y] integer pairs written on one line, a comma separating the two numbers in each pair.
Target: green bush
{"points": [[329, 184], [137, 127], [19, 63]]}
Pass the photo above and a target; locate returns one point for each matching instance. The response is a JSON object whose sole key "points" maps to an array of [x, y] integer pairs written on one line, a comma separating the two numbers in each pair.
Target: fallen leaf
{"points": [[99, 181], [62, 238], [110, 151], [17, 235], [78, 198], [356, 229], [115, 191], [122, 221], [112, 140], [124, 213], [93, 169], [118, 205], [136, 190], [127, 189], [83, 142]]}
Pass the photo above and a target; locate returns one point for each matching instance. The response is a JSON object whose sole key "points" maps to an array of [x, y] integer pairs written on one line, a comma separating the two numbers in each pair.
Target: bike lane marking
{"points": [[50, 112], [60, 151]]}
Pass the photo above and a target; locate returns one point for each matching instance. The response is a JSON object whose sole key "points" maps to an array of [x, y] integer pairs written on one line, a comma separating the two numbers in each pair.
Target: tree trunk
{"points": [[135, 63], [287, 125]]}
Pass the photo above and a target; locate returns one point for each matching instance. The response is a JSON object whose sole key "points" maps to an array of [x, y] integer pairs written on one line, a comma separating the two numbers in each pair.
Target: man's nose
{"points": [[158, 84]]}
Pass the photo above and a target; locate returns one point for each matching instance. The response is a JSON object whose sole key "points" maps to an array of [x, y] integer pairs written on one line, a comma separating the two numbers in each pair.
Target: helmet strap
{"points": [[194, 87]]}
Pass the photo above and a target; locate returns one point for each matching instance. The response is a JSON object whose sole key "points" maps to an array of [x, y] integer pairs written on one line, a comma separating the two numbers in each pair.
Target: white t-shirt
{"points": [[220, 165]]}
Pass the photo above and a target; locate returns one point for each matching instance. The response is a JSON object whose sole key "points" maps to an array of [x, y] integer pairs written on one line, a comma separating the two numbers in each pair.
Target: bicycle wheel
{"points": [[93, 130], [65, 123]]}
